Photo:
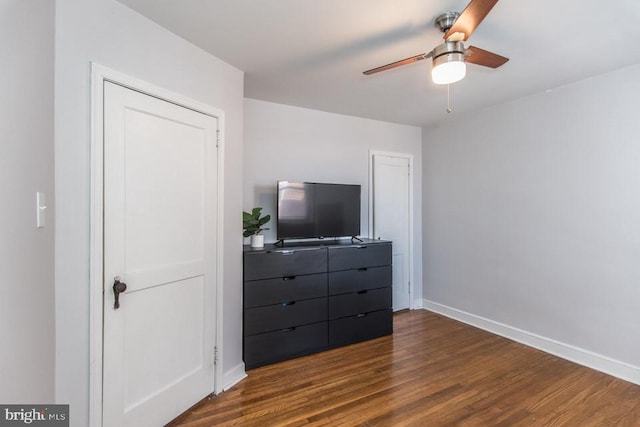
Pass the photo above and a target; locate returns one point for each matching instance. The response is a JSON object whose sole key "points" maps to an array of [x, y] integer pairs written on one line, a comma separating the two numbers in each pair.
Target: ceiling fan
{"points": [[450, 57]]}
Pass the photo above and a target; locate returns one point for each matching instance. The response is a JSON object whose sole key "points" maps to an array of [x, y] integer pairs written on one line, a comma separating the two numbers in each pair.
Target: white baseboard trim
{"points": [[574, 354], [418, 304], [233, 376]]}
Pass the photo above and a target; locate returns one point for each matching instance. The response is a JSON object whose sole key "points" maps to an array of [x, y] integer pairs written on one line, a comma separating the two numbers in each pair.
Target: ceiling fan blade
{"points": [[398, 63], [478, 56], [469, 19]]}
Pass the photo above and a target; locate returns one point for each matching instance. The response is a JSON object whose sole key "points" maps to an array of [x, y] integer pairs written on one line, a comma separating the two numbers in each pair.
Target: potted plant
{"points": [[252, 225]]}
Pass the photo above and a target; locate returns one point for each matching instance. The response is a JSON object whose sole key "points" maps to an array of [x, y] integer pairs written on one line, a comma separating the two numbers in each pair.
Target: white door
{"points": [[391, 219], [160, 202]]}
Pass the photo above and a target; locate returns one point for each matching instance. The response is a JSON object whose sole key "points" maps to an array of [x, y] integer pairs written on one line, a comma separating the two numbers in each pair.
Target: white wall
{"points": [[112, 35], [282, 142], [26, 166], [531, 217]]}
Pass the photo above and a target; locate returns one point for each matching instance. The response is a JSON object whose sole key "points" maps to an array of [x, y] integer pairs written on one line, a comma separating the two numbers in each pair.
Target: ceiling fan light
{"points": [[448, 68]]}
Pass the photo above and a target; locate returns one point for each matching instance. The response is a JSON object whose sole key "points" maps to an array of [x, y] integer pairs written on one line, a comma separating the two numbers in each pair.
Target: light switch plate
{"points": [[41, 210]]}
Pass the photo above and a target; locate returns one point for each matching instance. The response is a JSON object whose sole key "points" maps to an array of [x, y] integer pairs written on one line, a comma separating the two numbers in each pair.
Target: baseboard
{"points": [[577, 355], [233, 376], [417, 304]]}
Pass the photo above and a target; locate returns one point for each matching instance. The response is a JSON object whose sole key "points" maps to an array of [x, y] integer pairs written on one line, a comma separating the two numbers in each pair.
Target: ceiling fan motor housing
{"points": [[447, 52]]}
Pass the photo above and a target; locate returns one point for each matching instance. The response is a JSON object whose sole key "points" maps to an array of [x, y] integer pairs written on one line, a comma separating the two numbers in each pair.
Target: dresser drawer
{"points": [[348, 330], [341, 282], [282, 263], [359, 302], [290, 288], [280, 345], [283, 316], [359, 256]]}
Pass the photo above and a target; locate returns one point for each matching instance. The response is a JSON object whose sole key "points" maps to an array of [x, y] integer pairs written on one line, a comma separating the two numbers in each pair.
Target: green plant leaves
{"points": [[252, 222]]}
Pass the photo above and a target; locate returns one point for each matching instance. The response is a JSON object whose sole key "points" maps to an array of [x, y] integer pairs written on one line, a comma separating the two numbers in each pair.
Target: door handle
{"points": [[118, 288]]}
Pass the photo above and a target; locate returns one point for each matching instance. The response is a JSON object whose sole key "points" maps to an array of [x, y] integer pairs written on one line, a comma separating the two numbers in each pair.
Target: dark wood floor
{"points": [[433, 371]]}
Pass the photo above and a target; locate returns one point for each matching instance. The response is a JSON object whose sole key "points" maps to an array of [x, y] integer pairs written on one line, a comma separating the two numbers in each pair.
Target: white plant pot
{"points": [[257, 241]]}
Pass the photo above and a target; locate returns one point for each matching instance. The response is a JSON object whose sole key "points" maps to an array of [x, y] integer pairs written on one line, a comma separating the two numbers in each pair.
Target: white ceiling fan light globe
{"points": [[448, 63], [448, 69]]}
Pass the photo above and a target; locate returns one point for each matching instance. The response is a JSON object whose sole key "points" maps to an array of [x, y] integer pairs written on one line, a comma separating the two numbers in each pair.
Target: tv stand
{"points": [[313, 296], [355, 238]]}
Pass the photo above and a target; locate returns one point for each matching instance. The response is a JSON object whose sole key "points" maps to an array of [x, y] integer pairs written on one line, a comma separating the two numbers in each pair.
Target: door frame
{"points": [[412, 251], [100, 74]]}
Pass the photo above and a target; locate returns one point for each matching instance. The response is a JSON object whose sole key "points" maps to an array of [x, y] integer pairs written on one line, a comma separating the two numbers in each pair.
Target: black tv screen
{"points": [[316, 210]]}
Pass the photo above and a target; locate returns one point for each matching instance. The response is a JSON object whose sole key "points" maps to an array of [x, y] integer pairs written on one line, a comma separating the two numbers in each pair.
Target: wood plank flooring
{"points": [[433, 371]]}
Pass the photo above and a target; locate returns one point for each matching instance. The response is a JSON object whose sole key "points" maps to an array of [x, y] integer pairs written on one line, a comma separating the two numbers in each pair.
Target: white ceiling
{"points": [[311, 53]]}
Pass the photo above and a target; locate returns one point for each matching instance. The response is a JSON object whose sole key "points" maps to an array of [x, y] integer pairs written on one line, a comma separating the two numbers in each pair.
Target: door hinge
{"points": [[217, 138], [215, 355]]}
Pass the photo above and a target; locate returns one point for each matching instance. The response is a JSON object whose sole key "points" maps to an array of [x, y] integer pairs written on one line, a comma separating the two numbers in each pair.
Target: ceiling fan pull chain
{"points": [[449, 99]]}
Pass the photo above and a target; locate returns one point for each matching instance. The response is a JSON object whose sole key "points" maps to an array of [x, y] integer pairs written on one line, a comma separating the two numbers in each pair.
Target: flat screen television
{"points": [[316, 210]]}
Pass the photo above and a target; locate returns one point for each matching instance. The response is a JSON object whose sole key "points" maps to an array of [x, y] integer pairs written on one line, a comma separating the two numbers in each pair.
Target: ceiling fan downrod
{"points": [[445, 21]]}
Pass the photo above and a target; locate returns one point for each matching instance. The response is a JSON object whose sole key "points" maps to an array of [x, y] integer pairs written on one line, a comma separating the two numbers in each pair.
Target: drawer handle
{"points": [[363, 269], [288, 278], [361, 315], [287, 252], [288, 329], [287, 303], [361, 247], [362, 292]]}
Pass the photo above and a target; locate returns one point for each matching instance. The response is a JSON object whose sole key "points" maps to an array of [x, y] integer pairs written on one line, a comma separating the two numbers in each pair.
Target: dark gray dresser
{"points": [[307, 298]]}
